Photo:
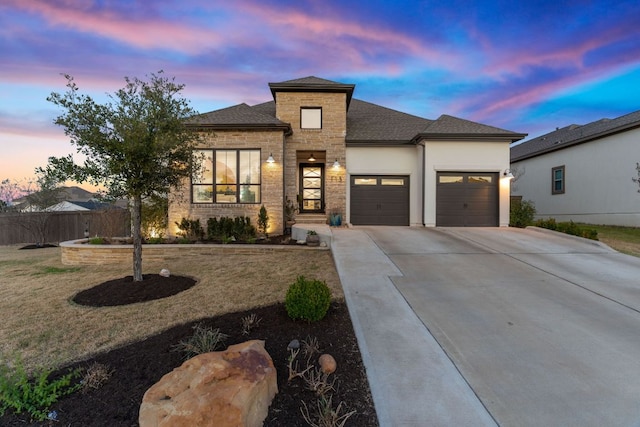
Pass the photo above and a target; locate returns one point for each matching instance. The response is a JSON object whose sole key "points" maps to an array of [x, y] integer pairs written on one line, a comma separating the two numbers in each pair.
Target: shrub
{"points": [[239, 228], [97, 241], [204, 340], [34, 395], [190, 229], [522, 213], [568, 228], [263, 220], [307, 299]]}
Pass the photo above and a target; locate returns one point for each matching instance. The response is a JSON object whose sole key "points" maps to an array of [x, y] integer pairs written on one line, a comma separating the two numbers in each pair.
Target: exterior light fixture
{"points": [[270, 159], [507, 174], [311, 158], [336, 164]]}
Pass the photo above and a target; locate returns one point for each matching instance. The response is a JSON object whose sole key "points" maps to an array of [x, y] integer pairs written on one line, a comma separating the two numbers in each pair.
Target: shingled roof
{"points": [[574, 134], [239, 116], [367, 123]]}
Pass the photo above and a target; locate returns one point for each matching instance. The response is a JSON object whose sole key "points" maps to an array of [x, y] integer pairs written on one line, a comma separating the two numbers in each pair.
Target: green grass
{"points": [[625, 234], [622, 239]]}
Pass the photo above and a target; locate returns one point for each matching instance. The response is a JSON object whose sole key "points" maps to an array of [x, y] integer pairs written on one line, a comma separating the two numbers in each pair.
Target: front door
{"points": [[312, 187]]}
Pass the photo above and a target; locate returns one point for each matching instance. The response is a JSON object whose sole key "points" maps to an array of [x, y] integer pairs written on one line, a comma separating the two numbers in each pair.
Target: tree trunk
{"points": [[136, 231]]}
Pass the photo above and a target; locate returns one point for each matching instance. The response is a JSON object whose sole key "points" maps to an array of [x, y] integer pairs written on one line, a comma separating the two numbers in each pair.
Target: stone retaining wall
{"points": [[77, 252]]}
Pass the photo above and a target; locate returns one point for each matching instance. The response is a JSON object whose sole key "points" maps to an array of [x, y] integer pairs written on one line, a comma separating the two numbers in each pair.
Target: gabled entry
{"points": [[312, 187]]}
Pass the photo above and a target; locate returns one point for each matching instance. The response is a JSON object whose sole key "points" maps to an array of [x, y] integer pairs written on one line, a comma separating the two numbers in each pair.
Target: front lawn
{"points": [[622, 239]]}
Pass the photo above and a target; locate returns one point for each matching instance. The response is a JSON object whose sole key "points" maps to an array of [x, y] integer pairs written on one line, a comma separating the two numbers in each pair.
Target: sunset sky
{"points": [[525, 66]]}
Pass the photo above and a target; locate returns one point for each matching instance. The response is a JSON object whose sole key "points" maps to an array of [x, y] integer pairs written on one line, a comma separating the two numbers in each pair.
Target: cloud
{"points": [[140, 32]]}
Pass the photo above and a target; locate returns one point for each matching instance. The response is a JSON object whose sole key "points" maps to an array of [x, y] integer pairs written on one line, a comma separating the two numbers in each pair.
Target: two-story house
{"points": [[328, 152]]}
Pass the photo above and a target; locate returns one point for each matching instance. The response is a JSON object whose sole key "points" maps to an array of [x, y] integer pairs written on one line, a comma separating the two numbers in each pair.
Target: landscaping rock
{"points": [[294, 345], [327, 363], [165, 273], [225, 388]]}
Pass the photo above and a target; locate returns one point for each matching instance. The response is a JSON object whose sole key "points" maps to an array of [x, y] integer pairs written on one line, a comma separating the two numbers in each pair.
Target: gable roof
{"points": [[313, 84], [239, 116], [573, 135], [367, 123]]}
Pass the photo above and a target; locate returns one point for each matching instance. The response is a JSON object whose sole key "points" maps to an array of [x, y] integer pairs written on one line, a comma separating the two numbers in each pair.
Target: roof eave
{"points": [[285, 127], [578, 141], [377, 143], [322, 87], [480, 137]]}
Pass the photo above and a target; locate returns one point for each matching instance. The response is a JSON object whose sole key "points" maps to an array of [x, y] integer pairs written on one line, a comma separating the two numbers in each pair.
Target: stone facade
{"points": [[281, 179], [326, 144], [268, 142]]}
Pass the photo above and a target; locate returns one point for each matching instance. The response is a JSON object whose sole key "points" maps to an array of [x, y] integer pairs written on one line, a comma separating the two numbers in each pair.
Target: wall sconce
{"points": [[311, 158], [507, 174], [270, 160], [336, 164]]}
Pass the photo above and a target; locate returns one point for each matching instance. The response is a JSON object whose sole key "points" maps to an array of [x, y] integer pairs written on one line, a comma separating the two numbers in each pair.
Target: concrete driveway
{"points": [[533, 328]]}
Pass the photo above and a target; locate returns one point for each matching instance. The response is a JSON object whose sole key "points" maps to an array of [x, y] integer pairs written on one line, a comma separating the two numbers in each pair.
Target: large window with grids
{"points": [[226, 176]]}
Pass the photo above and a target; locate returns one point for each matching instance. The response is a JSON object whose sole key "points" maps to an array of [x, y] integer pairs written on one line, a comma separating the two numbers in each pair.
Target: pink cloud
{"points": [[146, 33]]}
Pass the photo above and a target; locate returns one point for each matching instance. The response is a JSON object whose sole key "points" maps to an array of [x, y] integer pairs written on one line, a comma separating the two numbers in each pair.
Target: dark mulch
{"points": [[125, 291], [141, 364], [34, 246]]}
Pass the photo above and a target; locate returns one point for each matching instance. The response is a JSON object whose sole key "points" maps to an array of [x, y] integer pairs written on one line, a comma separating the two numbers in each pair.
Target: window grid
{"points": [[228, 176], [558, 180]]}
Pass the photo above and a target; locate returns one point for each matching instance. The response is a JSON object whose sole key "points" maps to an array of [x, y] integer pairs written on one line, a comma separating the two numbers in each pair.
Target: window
{"points": [[451, 179], [365, 181], [310, 118], [557, 180], [226, 176], [392, 181]]}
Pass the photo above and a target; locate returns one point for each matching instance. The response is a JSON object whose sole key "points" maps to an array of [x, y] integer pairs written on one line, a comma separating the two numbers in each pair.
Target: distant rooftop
{"points": [[574, 134]]}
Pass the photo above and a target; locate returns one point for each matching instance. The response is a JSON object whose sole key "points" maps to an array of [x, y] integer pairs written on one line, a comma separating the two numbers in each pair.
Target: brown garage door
{"points": [[465, 199], [379, 200]]}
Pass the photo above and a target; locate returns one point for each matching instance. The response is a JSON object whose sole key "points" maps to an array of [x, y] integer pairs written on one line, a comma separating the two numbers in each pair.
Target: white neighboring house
{"points": [[582, 173], [74, 206]]}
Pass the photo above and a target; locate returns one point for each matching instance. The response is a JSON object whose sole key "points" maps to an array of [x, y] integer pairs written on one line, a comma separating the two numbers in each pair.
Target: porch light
{"points": [[507, 174], [336, 164], [311, 158], [270, 159]]}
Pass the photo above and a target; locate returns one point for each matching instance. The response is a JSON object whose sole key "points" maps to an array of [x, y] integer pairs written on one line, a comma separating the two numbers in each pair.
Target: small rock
{"points": [[301, 242], [164, 272], [294, 345], [323, 244], [327, 363]]}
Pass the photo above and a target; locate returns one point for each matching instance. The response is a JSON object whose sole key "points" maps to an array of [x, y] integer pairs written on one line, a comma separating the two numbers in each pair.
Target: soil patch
{"points": [[139, 365], [46, 245], [125, 291]]}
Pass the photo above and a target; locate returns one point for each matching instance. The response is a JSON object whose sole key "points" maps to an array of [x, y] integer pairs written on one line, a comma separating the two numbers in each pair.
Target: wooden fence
{"points": [[55, 227]]}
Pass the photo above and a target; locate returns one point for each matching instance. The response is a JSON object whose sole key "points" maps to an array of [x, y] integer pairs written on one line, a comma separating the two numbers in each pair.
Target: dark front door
{"points": [[312, 187]]}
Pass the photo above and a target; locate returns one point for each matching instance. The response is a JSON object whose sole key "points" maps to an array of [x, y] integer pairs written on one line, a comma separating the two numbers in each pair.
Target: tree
{"points": [[135, 145]]}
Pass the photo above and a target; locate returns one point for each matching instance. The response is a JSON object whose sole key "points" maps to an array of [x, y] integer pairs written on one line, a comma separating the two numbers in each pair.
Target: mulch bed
{"points": [[138, 366]]}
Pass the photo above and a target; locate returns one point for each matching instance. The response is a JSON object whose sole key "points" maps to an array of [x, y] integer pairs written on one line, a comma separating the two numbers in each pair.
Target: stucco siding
{"points": [[388, 161], [598, 185], [464, 156]]}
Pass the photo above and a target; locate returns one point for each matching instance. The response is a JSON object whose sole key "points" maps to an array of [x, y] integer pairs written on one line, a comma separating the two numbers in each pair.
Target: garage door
{"points": [[379, 200], [465, 199]]}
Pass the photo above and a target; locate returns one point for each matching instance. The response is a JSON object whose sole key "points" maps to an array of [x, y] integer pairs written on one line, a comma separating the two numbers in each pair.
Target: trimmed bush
{"points": [[307, 299], [522, 213], [568, 228]]}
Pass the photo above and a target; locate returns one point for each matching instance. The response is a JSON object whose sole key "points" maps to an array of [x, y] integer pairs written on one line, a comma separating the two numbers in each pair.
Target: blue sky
{"points": [[524, 66]]}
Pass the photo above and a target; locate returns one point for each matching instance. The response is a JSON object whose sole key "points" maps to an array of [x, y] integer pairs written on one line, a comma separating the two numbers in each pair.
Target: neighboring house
{"points": [[74, 205], [332, 153], [583, 173]]}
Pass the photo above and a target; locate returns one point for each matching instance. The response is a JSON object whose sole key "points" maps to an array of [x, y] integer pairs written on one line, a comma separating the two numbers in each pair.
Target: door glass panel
{"points": [[450, 179], [483, 179], [392, 181], [312, 188], [365, 181]]}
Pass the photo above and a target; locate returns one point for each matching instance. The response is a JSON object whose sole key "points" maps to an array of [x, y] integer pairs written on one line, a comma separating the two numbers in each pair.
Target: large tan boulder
{"points": [[224, 388]]}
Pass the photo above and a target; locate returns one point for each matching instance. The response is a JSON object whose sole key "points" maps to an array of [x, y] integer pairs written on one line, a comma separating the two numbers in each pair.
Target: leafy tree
{"points": [[135, 144]]}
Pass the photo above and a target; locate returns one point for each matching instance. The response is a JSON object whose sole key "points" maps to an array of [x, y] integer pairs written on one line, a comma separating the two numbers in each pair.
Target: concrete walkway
{"points": [[509, 327], [412, 380]]}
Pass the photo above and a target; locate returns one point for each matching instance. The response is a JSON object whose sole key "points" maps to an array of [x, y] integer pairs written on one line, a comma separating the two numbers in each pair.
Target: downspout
{"points": [[422, 185]]}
